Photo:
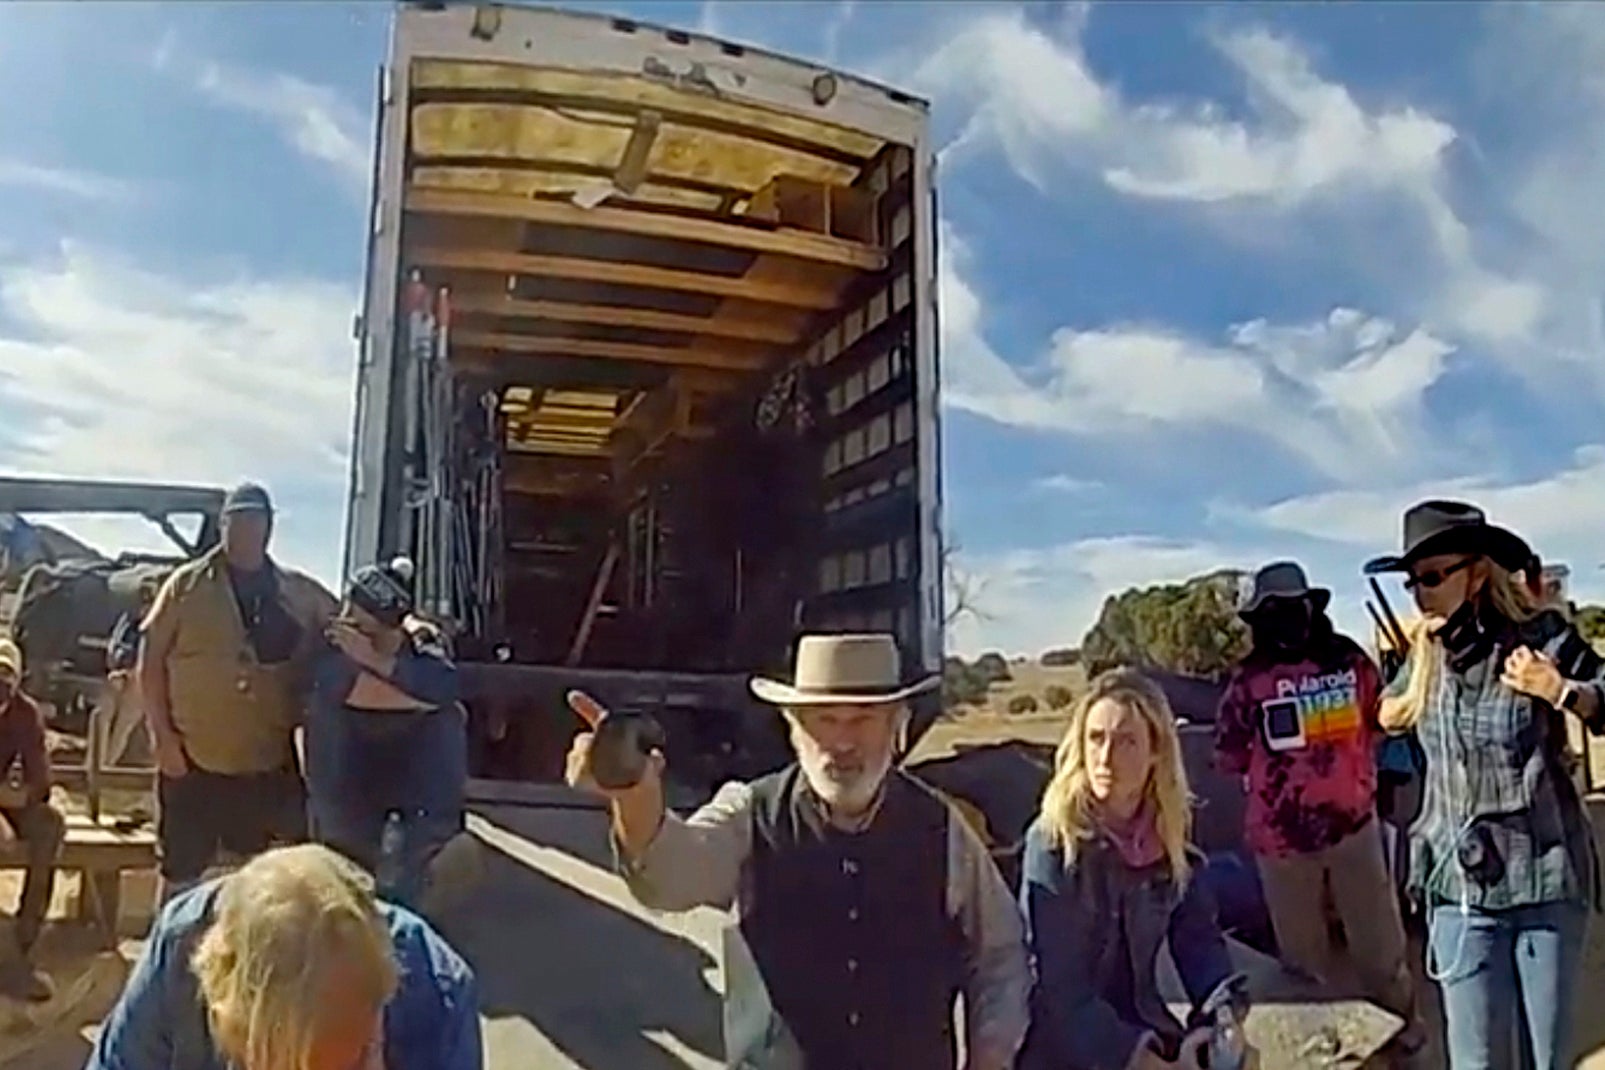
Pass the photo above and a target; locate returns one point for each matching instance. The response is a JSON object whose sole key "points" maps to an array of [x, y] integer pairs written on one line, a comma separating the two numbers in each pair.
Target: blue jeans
{"points": [[361, 766], [1489, 962]]}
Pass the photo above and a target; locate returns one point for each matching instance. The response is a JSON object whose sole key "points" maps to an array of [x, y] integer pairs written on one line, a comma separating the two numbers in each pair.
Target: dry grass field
{"points": [[993, 723]]}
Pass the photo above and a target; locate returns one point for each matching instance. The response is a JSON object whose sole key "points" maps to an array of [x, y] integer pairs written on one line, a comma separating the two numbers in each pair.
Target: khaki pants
{"points": [[1355, 873]]}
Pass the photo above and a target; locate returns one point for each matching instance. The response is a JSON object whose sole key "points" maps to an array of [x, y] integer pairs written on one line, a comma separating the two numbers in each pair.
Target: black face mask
{"points": [[1466, 637], [1283, 624]]}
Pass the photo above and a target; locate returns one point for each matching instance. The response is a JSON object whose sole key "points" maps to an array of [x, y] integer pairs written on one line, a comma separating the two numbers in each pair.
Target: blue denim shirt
{"points": [[1095, 928], [159, 1023]]}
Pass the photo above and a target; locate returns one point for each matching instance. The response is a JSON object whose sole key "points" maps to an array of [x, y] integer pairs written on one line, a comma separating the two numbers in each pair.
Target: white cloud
{"points": [[708, 18], [70, 182], [1029, 92], [1063, 484], [109, 371], [314, 120], [1344, 393], [1034, 95], [1038, 599], [1310, 135], [836, 25], [1561, 514]]}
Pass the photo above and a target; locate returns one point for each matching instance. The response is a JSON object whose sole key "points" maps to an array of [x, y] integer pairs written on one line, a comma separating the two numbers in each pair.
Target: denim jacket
{"points": [[1095, 928], [159, 1022]]}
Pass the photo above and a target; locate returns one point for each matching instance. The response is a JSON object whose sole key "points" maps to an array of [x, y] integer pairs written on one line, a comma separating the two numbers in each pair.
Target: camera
{"points": [[1479, 856]]}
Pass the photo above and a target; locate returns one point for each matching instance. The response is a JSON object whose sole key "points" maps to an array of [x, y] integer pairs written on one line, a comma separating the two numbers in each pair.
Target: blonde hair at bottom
{"points": [[284, 924], [1067, 813]]}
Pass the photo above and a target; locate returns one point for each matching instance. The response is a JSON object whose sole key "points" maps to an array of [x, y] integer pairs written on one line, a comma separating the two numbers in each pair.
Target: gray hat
{"points": [[248, 498], [1280, 579], [1449, 527]]}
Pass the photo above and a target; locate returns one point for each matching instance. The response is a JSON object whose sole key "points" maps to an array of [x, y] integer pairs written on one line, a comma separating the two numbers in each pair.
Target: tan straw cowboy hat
{"points": [[844, 670]]}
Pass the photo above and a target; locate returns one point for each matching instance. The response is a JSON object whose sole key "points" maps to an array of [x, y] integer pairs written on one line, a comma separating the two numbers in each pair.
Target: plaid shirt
{"points": [[1495, 757]]}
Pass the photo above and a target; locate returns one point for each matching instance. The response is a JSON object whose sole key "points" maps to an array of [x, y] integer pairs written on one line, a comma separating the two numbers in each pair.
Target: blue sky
{"points": [[1221, 283]]}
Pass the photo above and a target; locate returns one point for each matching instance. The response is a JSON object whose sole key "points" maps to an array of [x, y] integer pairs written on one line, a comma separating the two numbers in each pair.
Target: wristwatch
{"points": [[1569, 695]]}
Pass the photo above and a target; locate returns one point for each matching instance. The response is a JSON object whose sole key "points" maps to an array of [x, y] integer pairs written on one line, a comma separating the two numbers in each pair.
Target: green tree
{"points": [[962, 685], [1023, 704], [1058, 697], [1591, 623], [993, 667], [1189, 627]]}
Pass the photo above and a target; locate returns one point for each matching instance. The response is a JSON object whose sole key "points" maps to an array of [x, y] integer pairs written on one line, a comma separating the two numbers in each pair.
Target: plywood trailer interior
{"points": [[680, 337]]}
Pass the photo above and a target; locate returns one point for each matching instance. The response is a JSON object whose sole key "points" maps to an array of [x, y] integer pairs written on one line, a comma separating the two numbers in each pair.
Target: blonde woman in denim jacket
{"points": [[1107, 882]]}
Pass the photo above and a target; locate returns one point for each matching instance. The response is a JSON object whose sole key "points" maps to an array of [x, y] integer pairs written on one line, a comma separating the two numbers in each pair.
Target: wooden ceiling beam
{"points": [[615, 316], [690, 357], [816, 296], [796, 244]]}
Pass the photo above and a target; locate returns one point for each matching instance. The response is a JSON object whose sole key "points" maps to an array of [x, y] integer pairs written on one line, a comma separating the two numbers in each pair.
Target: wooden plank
{"points": [[818, 248], [554, 485], [617, 316], [816, 294], [690, 357]]}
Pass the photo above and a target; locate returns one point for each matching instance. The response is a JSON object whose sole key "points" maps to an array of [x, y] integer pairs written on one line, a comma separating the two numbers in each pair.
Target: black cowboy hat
{"points": [[1449, 527], [1280, 579]]}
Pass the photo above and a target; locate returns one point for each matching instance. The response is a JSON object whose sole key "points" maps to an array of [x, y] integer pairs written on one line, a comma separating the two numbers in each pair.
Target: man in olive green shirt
{"points": [[223, 671]]}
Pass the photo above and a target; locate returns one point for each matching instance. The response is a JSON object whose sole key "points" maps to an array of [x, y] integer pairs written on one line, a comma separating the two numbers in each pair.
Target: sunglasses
{"points": [[1436, 577]]}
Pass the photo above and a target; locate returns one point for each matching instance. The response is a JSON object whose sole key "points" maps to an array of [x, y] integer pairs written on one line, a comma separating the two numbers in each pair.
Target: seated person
{"points": [[1106, 881], [385, 735], [26, 815], [289, 963]]}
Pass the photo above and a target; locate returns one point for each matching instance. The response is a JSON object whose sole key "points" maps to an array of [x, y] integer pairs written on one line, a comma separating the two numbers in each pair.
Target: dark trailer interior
{"points": [[656, 408]]}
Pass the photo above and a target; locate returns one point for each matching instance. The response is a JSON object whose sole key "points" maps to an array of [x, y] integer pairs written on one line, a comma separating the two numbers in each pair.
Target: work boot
{"points": [[18, 978]]}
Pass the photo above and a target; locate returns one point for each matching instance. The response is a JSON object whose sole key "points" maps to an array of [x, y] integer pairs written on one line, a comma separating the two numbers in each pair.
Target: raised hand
{"points": [[1531, 673], [583, 757]]}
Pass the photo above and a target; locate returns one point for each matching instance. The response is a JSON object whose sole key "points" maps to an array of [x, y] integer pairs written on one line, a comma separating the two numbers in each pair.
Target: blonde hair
{"points": [[1067, 814], [1509, 596], [283, 924]]}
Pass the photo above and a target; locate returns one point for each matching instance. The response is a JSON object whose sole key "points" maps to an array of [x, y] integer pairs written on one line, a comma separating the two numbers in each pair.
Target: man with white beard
{"points": [[864, 904]]}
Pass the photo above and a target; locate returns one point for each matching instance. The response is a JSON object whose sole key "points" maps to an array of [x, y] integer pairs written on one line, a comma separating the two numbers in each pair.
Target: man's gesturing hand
{"points": [[580, 771]]}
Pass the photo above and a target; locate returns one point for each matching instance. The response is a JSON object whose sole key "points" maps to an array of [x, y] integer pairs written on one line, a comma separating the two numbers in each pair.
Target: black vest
{"points": [[850, 931]]}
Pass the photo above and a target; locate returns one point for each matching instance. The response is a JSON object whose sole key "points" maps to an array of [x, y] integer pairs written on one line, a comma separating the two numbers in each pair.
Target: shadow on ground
{"points": [[593, 980]]}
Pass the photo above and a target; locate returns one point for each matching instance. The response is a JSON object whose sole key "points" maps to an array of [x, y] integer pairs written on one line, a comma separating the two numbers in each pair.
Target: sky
{"points": [[1220, 284]]}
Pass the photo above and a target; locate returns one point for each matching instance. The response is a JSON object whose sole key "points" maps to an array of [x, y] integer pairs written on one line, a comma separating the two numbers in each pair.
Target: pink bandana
{"points": [[1136, 839]]}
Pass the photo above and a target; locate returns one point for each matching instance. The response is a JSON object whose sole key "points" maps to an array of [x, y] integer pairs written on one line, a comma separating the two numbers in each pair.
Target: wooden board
{"points": [[93, 846], [818, 293], [817, 248], [691, 356], [546, 85], [722, 326], [536, 138]]}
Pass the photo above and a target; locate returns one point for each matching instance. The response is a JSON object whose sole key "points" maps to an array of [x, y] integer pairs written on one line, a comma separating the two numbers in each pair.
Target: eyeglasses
{"points": [[1436, 577]]}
